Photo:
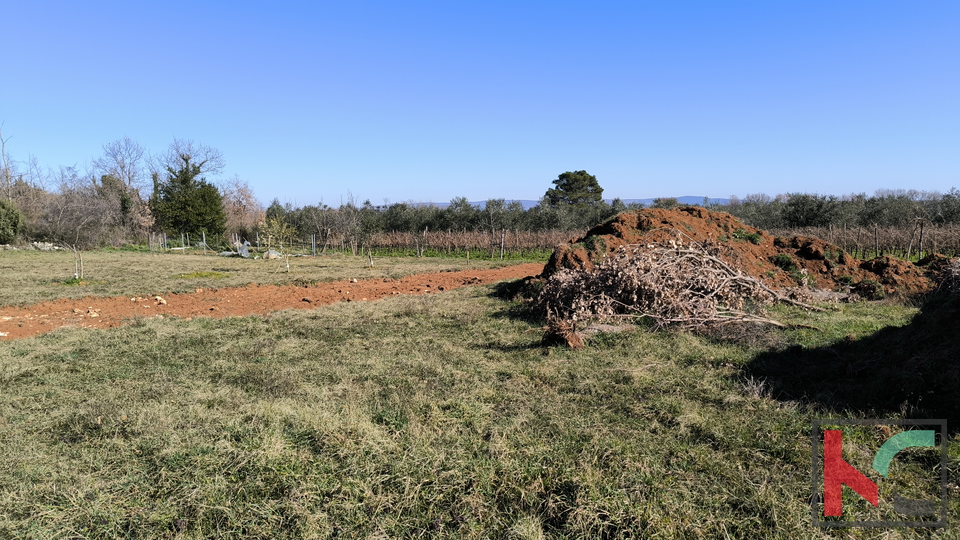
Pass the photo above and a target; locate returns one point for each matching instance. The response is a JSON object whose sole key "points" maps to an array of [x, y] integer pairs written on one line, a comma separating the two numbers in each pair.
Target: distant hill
{"points": [[528, 204]]}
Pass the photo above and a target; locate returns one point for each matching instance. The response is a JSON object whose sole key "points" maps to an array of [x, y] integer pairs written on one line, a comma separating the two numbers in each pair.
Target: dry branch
{"points": [[669, 283]]}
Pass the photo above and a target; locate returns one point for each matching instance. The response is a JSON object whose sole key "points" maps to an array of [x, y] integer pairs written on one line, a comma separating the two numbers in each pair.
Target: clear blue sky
{"points": [[426, 101]]}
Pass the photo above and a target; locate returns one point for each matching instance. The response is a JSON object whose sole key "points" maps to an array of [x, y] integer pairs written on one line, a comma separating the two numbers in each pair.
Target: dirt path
{"points": [[93, 312]]}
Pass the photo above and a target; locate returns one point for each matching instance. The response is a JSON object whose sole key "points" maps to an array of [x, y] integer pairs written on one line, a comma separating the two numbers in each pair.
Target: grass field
{"points": [[34, 276], [424, 417]]}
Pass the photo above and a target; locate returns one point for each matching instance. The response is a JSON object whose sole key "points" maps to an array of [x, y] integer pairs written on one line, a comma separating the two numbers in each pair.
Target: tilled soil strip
{"points": [[108, 312]]}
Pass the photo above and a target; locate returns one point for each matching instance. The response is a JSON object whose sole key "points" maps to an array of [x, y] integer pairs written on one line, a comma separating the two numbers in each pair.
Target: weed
{"points": [[784, 262], [753, 238]]}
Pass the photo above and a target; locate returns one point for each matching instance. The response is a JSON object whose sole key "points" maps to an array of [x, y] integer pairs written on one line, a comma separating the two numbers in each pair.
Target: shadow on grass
{"points": [[913, 371], [516, 291]]}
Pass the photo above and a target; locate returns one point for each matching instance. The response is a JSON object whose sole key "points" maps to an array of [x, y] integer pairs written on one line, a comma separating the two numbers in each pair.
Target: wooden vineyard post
{"points": [[910, 244], [859, 254], [876, 240], [920, 247], [203, 235], [503, 238]]}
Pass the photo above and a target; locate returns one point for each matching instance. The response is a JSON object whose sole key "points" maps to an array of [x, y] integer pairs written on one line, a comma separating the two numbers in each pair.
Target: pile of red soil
{"points": [[777, 262]]}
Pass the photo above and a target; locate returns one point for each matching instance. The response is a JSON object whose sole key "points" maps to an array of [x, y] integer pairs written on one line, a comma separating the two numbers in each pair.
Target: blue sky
{"points": [[426, 101]]}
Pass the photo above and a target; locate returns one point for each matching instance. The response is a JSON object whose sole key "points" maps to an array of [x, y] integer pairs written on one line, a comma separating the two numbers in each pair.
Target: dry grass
{"points": [[418, 417], [33, 276]]}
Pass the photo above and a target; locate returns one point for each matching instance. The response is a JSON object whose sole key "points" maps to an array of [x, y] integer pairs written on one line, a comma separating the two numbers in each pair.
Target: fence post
{"points": [[313, 243], [165, 241], [203, 234]]}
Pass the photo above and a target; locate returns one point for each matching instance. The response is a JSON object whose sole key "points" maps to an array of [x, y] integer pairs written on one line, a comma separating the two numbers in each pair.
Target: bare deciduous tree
{"points": [[6, 179], [210, 160], [124, 160], [76, 216], [244, 212]]}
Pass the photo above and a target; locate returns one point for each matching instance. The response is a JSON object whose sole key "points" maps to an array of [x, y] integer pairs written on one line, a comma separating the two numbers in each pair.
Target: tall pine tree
{"points": [[576, 188]]}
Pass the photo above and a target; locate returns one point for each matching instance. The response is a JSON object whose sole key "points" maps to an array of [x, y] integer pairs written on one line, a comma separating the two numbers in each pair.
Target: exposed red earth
{"points": [[750, 250], [108, 312]]}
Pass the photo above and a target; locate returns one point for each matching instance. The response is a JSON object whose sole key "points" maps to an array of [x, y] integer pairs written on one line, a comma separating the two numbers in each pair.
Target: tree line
{"points": [[127, 193], [122, 196], [885, 208]]}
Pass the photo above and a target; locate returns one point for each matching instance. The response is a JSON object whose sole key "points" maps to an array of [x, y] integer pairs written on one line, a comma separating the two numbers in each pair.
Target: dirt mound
{"points": [[777, 262]]}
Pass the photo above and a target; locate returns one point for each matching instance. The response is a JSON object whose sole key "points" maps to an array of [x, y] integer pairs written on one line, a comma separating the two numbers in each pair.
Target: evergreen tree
{"points": [[577, 188], [11, 221], [185, 202]]}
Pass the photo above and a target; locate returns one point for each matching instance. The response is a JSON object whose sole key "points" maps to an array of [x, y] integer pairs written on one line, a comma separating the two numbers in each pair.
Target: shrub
{"points": [[11, 221]]}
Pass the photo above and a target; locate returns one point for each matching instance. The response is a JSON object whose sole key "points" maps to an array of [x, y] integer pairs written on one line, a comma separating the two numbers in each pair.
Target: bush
{"points": [[11, 222]]}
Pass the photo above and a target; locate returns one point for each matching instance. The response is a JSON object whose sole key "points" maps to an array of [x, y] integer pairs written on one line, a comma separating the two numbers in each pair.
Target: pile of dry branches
{"points": [[687, 286]]}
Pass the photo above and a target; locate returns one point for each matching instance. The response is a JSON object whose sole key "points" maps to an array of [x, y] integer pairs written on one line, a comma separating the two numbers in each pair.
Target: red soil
{"points": [[94, 312], [753, 251]]}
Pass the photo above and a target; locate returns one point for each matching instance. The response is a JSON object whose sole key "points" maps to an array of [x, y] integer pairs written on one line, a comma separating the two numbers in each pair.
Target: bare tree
{"points": [[209, 159], [6, 178], [120, 177], [322, 219], [76, 216], [124, 160], [244, 212]]}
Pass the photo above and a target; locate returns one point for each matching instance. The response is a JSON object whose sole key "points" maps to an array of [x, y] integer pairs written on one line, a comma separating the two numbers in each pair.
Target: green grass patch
{"points": [[753, 238]]}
